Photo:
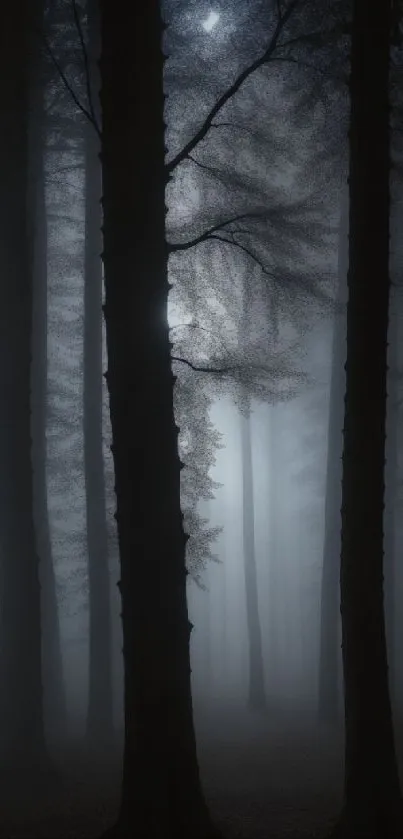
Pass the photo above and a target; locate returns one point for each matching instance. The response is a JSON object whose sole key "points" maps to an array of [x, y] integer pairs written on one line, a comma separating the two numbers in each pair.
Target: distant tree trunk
{"points": [[256, 692], [273, 558], [391, 491], [207, 657], [329, 652], [54, 693], [372, 800], [161, 790], [22, 725], [100, 696]]}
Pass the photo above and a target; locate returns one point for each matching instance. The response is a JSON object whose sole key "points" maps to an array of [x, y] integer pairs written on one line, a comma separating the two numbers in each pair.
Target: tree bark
{"points": [[372, 801], [161, 790], [100, 695]]}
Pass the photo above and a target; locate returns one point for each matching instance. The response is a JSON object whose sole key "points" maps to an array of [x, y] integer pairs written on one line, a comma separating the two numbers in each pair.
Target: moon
{"points": [[211, 21]]}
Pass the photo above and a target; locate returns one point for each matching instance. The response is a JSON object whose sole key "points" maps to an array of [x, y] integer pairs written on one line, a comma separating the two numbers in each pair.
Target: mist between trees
{"points": [[200, 428]]}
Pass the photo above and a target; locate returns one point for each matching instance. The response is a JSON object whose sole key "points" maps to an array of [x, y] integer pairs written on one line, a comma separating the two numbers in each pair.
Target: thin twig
{"points": [[69, 87], [234, 244], [86, 65], [219, 370], [173, 247], [209, 169]]}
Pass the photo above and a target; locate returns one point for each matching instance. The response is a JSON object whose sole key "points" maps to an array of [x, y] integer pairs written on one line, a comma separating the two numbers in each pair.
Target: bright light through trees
{"points": [[211, 21]]}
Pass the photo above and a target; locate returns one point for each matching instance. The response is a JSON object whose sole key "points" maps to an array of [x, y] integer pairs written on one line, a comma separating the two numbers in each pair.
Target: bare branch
{"points": [[69, 87], [232, 90], [86, 66], [173, 247], [218, 371], [233, 243], [204, 166]]}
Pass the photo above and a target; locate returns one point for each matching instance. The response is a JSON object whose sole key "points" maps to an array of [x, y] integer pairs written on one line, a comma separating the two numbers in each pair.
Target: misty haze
{"points": [[201, 438]]}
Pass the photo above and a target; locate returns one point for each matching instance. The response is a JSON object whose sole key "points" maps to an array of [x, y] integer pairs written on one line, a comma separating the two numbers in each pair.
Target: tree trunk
{"points": [[372, 801], [256, 695], [54, 692], [273, 558], [161, 791], [328, 700], [391, 491], [22, 725], [100, 696]]}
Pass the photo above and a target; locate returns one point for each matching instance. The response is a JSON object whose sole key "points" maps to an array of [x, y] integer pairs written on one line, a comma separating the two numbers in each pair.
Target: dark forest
{"points": [[201, 434]]}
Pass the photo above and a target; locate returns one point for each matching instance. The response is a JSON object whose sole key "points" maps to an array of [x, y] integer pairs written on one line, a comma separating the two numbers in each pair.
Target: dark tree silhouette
{"points": [[391, 495], [372, 801], [22, 730], [100, 700], [161, 792]]}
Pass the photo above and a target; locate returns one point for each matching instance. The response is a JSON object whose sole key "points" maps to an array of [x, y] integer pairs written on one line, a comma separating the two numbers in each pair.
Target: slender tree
{"points": [[256, 693], [100, 700], [329, 653], [391, 493], [54, 693], [273, 553]]}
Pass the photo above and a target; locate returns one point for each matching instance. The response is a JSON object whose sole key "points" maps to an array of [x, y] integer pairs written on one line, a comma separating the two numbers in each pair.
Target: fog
{"points": [[189, 432]]}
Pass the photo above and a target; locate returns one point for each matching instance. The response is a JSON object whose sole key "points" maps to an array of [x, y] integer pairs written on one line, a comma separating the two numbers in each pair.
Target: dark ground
{"points": [[265, 777]]}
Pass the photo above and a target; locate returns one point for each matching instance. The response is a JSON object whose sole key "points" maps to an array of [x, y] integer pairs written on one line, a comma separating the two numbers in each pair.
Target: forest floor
{"points": [[265, 777]]}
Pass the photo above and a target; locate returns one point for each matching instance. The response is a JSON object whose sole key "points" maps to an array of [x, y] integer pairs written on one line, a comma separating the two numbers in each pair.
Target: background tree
{"points": [[100, 708], [23, 739], [73, 147], [53, 677]]}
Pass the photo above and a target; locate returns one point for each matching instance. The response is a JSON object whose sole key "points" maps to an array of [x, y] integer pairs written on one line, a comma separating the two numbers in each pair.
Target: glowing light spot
{"points": [[211, 21]]}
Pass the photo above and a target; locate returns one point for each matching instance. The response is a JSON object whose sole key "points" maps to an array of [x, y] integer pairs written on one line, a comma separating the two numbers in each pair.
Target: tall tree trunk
{"points": [[256, 693], [329, 652], [100, 696], [54, 692], [161, 791], [391, 475], [372, 801], [22, 725]]}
